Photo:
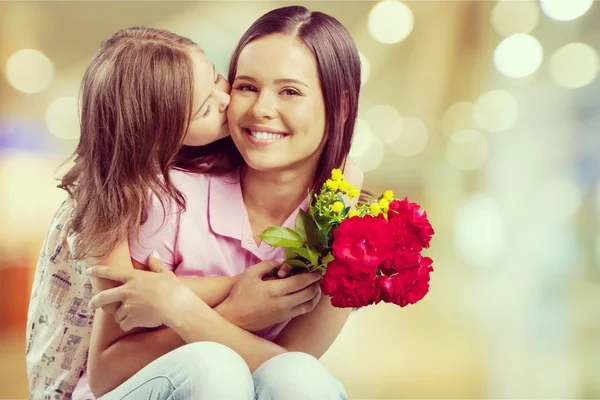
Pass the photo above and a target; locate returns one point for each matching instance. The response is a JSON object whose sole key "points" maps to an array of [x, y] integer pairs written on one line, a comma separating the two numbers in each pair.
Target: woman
{"points": [[292, 122], [145, 94]]}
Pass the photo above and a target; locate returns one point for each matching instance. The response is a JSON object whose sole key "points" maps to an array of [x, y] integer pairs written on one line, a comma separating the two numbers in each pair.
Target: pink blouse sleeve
{"points": [[159, 233]]}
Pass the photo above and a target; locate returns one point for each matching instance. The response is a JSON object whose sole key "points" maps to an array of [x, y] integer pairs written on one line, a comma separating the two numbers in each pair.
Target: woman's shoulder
{"points": [[185, 180]]}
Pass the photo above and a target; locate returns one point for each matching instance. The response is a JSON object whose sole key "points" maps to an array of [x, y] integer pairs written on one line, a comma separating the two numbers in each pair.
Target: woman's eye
{"points": [[207, 112], [291, 92]]}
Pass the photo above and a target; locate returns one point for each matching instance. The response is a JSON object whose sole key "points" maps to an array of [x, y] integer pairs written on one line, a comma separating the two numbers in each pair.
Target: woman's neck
{"points": [[270, 197]]}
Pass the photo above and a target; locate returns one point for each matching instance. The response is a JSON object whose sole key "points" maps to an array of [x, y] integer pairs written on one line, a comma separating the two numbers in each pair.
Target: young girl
{"points": [[145, 94], [292, 122]]}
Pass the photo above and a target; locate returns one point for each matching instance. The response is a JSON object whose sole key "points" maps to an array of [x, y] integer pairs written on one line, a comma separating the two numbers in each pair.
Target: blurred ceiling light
{"points": [[467, 150], [365, 69], [362, 138], [390, 21], [372, 157], [574, 65], [480, 231], [565, 10], [382, 119], [518, 56], [62, 118], [510, 17], [412, 139], [29, 71], [458, 117], [496, 111]]}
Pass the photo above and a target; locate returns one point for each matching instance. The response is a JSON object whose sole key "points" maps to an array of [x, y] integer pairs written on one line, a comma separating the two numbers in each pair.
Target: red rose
{"points": [[364, 241], [410, 226], [407, 286], [349, 285], [399, 260]]}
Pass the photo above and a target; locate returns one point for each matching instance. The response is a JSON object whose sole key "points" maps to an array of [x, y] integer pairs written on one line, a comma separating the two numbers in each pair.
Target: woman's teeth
{"points": [[266, 135]]}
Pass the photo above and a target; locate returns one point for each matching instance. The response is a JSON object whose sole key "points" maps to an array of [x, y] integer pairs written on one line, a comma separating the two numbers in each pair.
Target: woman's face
{"points": [[277, 114], [211, 98]]}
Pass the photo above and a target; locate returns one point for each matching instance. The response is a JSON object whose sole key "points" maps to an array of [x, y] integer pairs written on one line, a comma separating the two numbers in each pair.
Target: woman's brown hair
{"points": [[136, 104]]}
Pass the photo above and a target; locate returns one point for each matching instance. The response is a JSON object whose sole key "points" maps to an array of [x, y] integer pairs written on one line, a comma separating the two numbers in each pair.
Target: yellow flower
{"points": [[388, 195], [353, 192], [336, 174], [337, 207], [353, 213], [333, 185], [344, 185], [384, 204], [375, 209]]}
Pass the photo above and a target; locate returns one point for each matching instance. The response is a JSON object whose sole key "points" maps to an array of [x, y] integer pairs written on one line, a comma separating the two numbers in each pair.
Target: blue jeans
{"points": [[211, 371]]}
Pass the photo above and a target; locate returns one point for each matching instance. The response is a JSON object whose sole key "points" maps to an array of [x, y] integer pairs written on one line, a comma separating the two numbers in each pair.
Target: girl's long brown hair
{"points": [[136, 104]]}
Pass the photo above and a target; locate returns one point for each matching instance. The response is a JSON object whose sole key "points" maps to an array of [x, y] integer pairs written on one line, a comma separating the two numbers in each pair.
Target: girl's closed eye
{"points": [[244, 87], [207, 112]]}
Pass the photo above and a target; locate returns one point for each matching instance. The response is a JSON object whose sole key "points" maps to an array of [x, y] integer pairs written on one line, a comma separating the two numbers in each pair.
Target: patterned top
{"points": [[59, 322]]}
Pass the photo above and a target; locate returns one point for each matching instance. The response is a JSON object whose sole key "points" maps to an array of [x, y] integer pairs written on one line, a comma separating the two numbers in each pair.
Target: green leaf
{"points": [[307, 228], [308, 254], [295, 263], [277, 236], [327, 259], [324, 237]]}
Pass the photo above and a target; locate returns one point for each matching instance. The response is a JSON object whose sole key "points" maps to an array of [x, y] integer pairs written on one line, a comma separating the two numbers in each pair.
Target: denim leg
{"points": [[202, 371], [296, 376]]}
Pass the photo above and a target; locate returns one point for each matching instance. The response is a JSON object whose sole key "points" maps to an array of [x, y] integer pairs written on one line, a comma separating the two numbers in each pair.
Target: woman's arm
{"points": [[301, 333]]}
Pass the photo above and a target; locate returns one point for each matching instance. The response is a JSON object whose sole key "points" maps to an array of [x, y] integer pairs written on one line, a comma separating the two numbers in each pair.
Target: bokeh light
{"points": [[496, 111], [390, 21], [365, 69], [62, 118], [458, 117], [362, 138], [29, 71], [372, 157], [574, 65], [412, 139], [557, 200], [467, 150], [27, 207], [518, 56], [480, 230], [510, 17], [383, 121], [565, 10]]}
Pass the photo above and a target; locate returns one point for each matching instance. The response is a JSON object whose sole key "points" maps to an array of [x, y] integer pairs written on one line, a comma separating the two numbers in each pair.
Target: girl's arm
{"points": [[116, 355]]}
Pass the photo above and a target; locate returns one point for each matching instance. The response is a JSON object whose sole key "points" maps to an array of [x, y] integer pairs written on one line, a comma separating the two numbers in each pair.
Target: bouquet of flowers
{"points": [[369, 251]]}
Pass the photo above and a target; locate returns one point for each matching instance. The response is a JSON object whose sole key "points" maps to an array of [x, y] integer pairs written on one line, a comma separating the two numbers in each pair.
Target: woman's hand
{"points": [[256, 303], [148, 298]]}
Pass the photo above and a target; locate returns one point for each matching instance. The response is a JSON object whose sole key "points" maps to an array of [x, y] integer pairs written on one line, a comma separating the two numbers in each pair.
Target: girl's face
{"points": [[211, 98], [277, 114]]}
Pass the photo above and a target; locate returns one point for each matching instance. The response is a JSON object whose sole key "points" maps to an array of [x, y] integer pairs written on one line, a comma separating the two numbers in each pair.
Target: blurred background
{"points": [[485, 112]]}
